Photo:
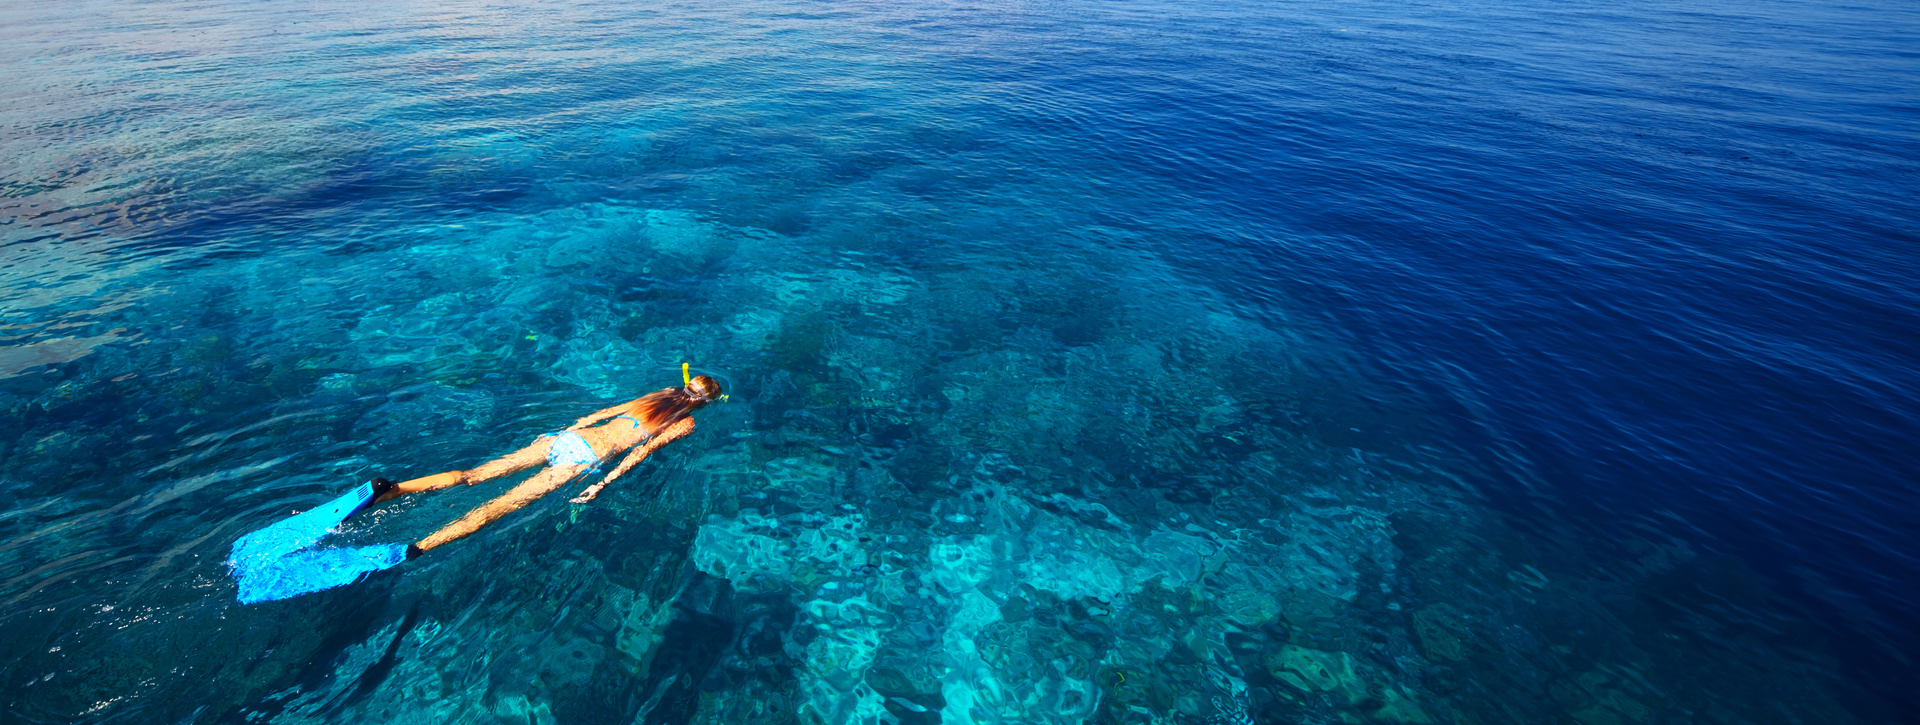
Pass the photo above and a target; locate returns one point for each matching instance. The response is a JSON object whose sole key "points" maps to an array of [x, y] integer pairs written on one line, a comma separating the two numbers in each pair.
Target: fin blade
{"points": [[305, 572], [298, 531]]}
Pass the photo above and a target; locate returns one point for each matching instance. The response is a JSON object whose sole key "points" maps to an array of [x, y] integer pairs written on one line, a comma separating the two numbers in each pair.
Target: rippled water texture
{"points": [[1212, 362]]}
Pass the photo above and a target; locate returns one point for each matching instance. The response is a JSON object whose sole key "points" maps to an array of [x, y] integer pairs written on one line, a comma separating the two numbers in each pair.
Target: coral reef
{"points": [[990, 491]]}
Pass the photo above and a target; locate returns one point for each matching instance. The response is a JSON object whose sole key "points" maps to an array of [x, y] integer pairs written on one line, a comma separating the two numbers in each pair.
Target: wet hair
{"points": [[667, 406], [704, 388]]}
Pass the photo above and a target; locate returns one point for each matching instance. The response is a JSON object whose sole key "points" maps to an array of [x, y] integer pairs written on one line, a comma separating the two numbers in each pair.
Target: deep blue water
{"points": [[1151, 362]]}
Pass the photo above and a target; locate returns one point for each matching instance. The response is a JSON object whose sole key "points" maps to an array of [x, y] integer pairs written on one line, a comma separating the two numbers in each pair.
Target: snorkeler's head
{"points": [[703, 389]]}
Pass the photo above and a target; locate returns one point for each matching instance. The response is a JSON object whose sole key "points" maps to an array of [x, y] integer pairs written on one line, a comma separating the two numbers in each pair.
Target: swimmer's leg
{"points": [[514, 462], [541, 484]]}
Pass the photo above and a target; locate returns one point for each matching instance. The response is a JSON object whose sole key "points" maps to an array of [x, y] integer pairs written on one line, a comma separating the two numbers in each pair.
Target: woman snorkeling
{"points": [[643, 425], [280, 561]]}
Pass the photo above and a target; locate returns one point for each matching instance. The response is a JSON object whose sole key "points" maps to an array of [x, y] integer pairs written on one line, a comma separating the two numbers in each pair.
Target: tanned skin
{"points": [[663, 418]]}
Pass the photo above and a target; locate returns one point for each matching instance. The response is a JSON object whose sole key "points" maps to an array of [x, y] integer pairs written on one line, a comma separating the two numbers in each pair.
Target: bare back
{"points": [[626, 429]]}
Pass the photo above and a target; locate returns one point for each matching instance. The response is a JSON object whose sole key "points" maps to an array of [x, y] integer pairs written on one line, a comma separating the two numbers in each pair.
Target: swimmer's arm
{"points": [[598, 416], [672, 433]]}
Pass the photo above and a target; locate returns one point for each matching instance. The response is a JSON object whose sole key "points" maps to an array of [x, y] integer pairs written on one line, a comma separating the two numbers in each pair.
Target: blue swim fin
{"points": [[299, 531], [304, 572], [271, 564]]}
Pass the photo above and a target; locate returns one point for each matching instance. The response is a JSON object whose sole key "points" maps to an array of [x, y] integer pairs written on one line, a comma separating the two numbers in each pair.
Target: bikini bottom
{"points": [[569, 449]]}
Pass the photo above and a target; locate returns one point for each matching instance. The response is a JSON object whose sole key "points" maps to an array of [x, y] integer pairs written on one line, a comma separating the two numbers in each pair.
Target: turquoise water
{"points": [[1090, 362]]}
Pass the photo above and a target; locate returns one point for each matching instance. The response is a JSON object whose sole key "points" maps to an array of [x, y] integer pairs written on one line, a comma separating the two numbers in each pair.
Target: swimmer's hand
{"points": [[588, 494]]}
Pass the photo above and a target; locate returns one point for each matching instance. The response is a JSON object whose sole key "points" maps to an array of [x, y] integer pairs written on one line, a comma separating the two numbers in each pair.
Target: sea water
{"points": [[1122, 362]]}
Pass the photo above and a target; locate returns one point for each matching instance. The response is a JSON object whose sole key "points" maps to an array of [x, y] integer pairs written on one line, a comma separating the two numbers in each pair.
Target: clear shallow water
{"points": [[1471, 363]]}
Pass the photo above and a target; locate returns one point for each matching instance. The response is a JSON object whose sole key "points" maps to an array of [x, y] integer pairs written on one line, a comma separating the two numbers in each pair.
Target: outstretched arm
{"points": [[598, 416], [672, 433]]}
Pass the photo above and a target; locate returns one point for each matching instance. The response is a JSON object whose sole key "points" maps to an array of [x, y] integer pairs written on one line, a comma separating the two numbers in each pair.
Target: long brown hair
{"points": [[666, 406]]}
